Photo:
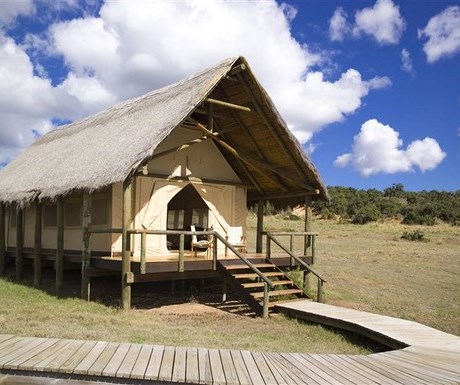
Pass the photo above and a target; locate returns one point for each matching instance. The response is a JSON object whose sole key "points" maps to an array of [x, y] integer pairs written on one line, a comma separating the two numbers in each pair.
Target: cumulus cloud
{"points": [[382, 22], [406, 61], [378, 149], [125, 51], [9, 10], [443, 34]]}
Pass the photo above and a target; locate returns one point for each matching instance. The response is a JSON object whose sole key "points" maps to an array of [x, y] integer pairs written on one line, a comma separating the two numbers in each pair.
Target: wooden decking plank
{"points": [[264, 369], [9, 341], [112, 366], [70, 365], [19, 349], [204, 366], [98, 366], [326, 367], [142, 362], [243, 375], [39, 361], [192, 372], [15, 345], [16, 363], [231, 376], [127, 365], [290, 373], [55, 364], [154, 365], [300, 367], [277, 371], [217, 370], [180, 363], [320, 375], [90, 359], [5, 337], [352, 375], [253, 369], [167, 364]]}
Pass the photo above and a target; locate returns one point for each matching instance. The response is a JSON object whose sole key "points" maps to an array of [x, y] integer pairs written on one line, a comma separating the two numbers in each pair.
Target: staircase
{"points": [[248, 285]]}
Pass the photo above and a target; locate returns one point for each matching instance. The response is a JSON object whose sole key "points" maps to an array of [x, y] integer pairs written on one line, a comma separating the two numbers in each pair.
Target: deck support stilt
{"points": [[126, 252], [59, 265], [2, 239], [38, 244], [224, 290], [86, 251], [19, 242], [260, 225]]}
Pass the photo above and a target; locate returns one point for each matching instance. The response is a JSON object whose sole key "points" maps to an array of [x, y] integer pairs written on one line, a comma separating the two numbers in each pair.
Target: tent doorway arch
{"points": [[186, 208]]}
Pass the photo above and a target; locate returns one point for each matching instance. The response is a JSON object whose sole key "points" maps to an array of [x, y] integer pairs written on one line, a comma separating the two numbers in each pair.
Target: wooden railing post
{"points": [[86, 252], [19, 242], [313, 250], [268, 248], [320, 290], [266, 300], [126, 275], [181, 253], [2, 239], [38, 244], [214, 253], [143, 252], [59, 265], [260, 225]]}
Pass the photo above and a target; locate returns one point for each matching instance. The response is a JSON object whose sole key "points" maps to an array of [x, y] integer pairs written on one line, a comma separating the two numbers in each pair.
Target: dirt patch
{"points": [[185, 309]]}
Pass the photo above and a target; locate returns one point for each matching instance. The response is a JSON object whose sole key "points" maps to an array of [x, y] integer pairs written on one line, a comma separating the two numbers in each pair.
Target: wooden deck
{"points": [[429, 357]]}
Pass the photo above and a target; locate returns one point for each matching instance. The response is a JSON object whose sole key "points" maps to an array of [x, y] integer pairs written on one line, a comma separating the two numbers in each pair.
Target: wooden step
{"points": [[261, 284], [284, 301], [244, 266], [254, 275], [272, 293]]}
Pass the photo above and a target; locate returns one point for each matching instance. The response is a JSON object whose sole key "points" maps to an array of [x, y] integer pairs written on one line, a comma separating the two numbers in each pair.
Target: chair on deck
{"points": [[203, 244], [236, 239]]}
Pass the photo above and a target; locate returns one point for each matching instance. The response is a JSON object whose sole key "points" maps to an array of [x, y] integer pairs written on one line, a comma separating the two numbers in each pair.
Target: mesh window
{"points": [[49, 215], [72, 214]]}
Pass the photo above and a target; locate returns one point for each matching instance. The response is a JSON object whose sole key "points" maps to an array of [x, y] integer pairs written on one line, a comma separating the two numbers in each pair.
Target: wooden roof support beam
{"points": [[257, 164], [237, 69], [269, 124], [227, 104], [192, 179], [294, 194]]}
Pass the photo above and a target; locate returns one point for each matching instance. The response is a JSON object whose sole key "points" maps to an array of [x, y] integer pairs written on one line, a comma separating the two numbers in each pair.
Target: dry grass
{"points": [[369, 267]]}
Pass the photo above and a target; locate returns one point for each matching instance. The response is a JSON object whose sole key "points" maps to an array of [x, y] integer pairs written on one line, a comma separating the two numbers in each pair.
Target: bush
{"points": [[416, 235], [366, 214]]}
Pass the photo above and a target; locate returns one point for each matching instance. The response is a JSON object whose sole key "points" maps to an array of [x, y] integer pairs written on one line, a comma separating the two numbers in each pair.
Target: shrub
{"points": [[366, 214], [416, 235]]}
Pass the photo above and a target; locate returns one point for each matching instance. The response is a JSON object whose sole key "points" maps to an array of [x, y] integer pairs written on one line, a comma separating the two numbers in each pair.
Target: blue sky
{"points": [[371, 88]]}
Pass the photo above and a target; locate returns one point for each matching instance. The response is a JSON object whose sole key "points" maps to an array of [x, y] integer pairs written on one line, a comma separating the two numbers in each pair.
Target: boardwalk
{"points": [[428, 357]]}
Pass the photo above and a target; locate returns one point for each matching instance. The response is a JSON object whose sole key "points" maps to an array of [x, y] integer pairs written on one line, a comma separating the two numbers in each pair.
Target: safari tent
{"points": [[122, 185]]}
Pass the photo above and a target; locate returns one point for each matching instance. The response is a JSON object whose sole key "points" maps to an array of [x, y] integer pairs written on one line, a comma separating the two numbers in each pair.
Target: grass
{"points": [[369, 267]]}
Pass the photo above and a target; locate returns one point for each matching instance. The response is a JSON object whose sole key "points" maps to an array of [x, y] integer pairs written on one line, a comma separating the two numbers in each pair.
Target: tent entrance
{"points": [[186, 208]]}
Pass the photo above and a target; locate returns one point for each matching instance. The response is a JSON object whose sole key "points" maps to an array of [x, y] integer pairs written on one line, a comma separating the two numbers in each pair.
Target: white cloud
{"points": [[443, 34], [126, 51], [9, 10], [382, 22], [377, 149], [338, 25], [406, 61]]}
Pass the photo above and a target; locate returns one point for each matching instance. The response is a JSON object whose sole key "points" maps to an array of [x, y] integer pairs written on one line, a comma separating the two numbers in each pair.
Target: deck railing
{"points": [[271, 237]]}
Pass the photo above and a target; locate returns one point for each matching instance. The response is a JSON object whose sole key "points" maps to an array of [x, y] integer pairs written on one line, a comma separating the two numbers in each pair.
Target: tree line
{"points": [[418, 208]]}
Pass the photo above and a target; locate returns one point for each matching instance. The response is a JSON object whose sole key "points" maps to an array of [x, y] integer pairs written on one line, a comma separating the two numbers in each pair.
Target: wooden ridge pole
{"points": [[86, 250], [59, 263], [2, 239], [19, 242], [37, 243], [126, 275]]}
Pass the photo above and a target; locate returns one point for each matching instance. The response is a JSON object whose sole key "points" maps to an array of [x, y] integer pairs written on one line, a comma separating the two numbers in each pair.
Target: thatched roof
{"points": [[106, 148]]}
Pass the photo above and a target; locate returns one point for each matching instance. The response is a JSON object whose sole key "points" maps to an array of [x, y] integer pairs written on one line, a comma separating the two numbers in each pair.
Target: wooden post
{"points": [[38, 244], [313, 249], [266, 299], [306, 282], [291, 249], [143, 253], [268, 249], [59, 265], [181, 253], [2, 239], [224, 290], [320, 291], [214, 253], [260, 225], [308, 223], [19, 242], [126, 252], [86, 251]]}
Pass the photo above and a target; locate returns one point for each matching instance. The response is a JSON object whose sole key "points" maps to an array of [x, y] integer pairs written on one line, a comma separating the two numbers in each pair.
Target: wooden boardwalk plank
{"points": [[32, 364], [16, 363], [13, 346], [281, 377], [231, 376], [243, 375], [180, 363], [192, 371], [70, 365], [167, 364], [264, 369], [85, 364], [127, 365], [19, 349], [315, 372], [204, 366], [217, 370], [142, 362], [252, 367], [98, 366], [55, 364], [153, 368], [112, 366]]}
